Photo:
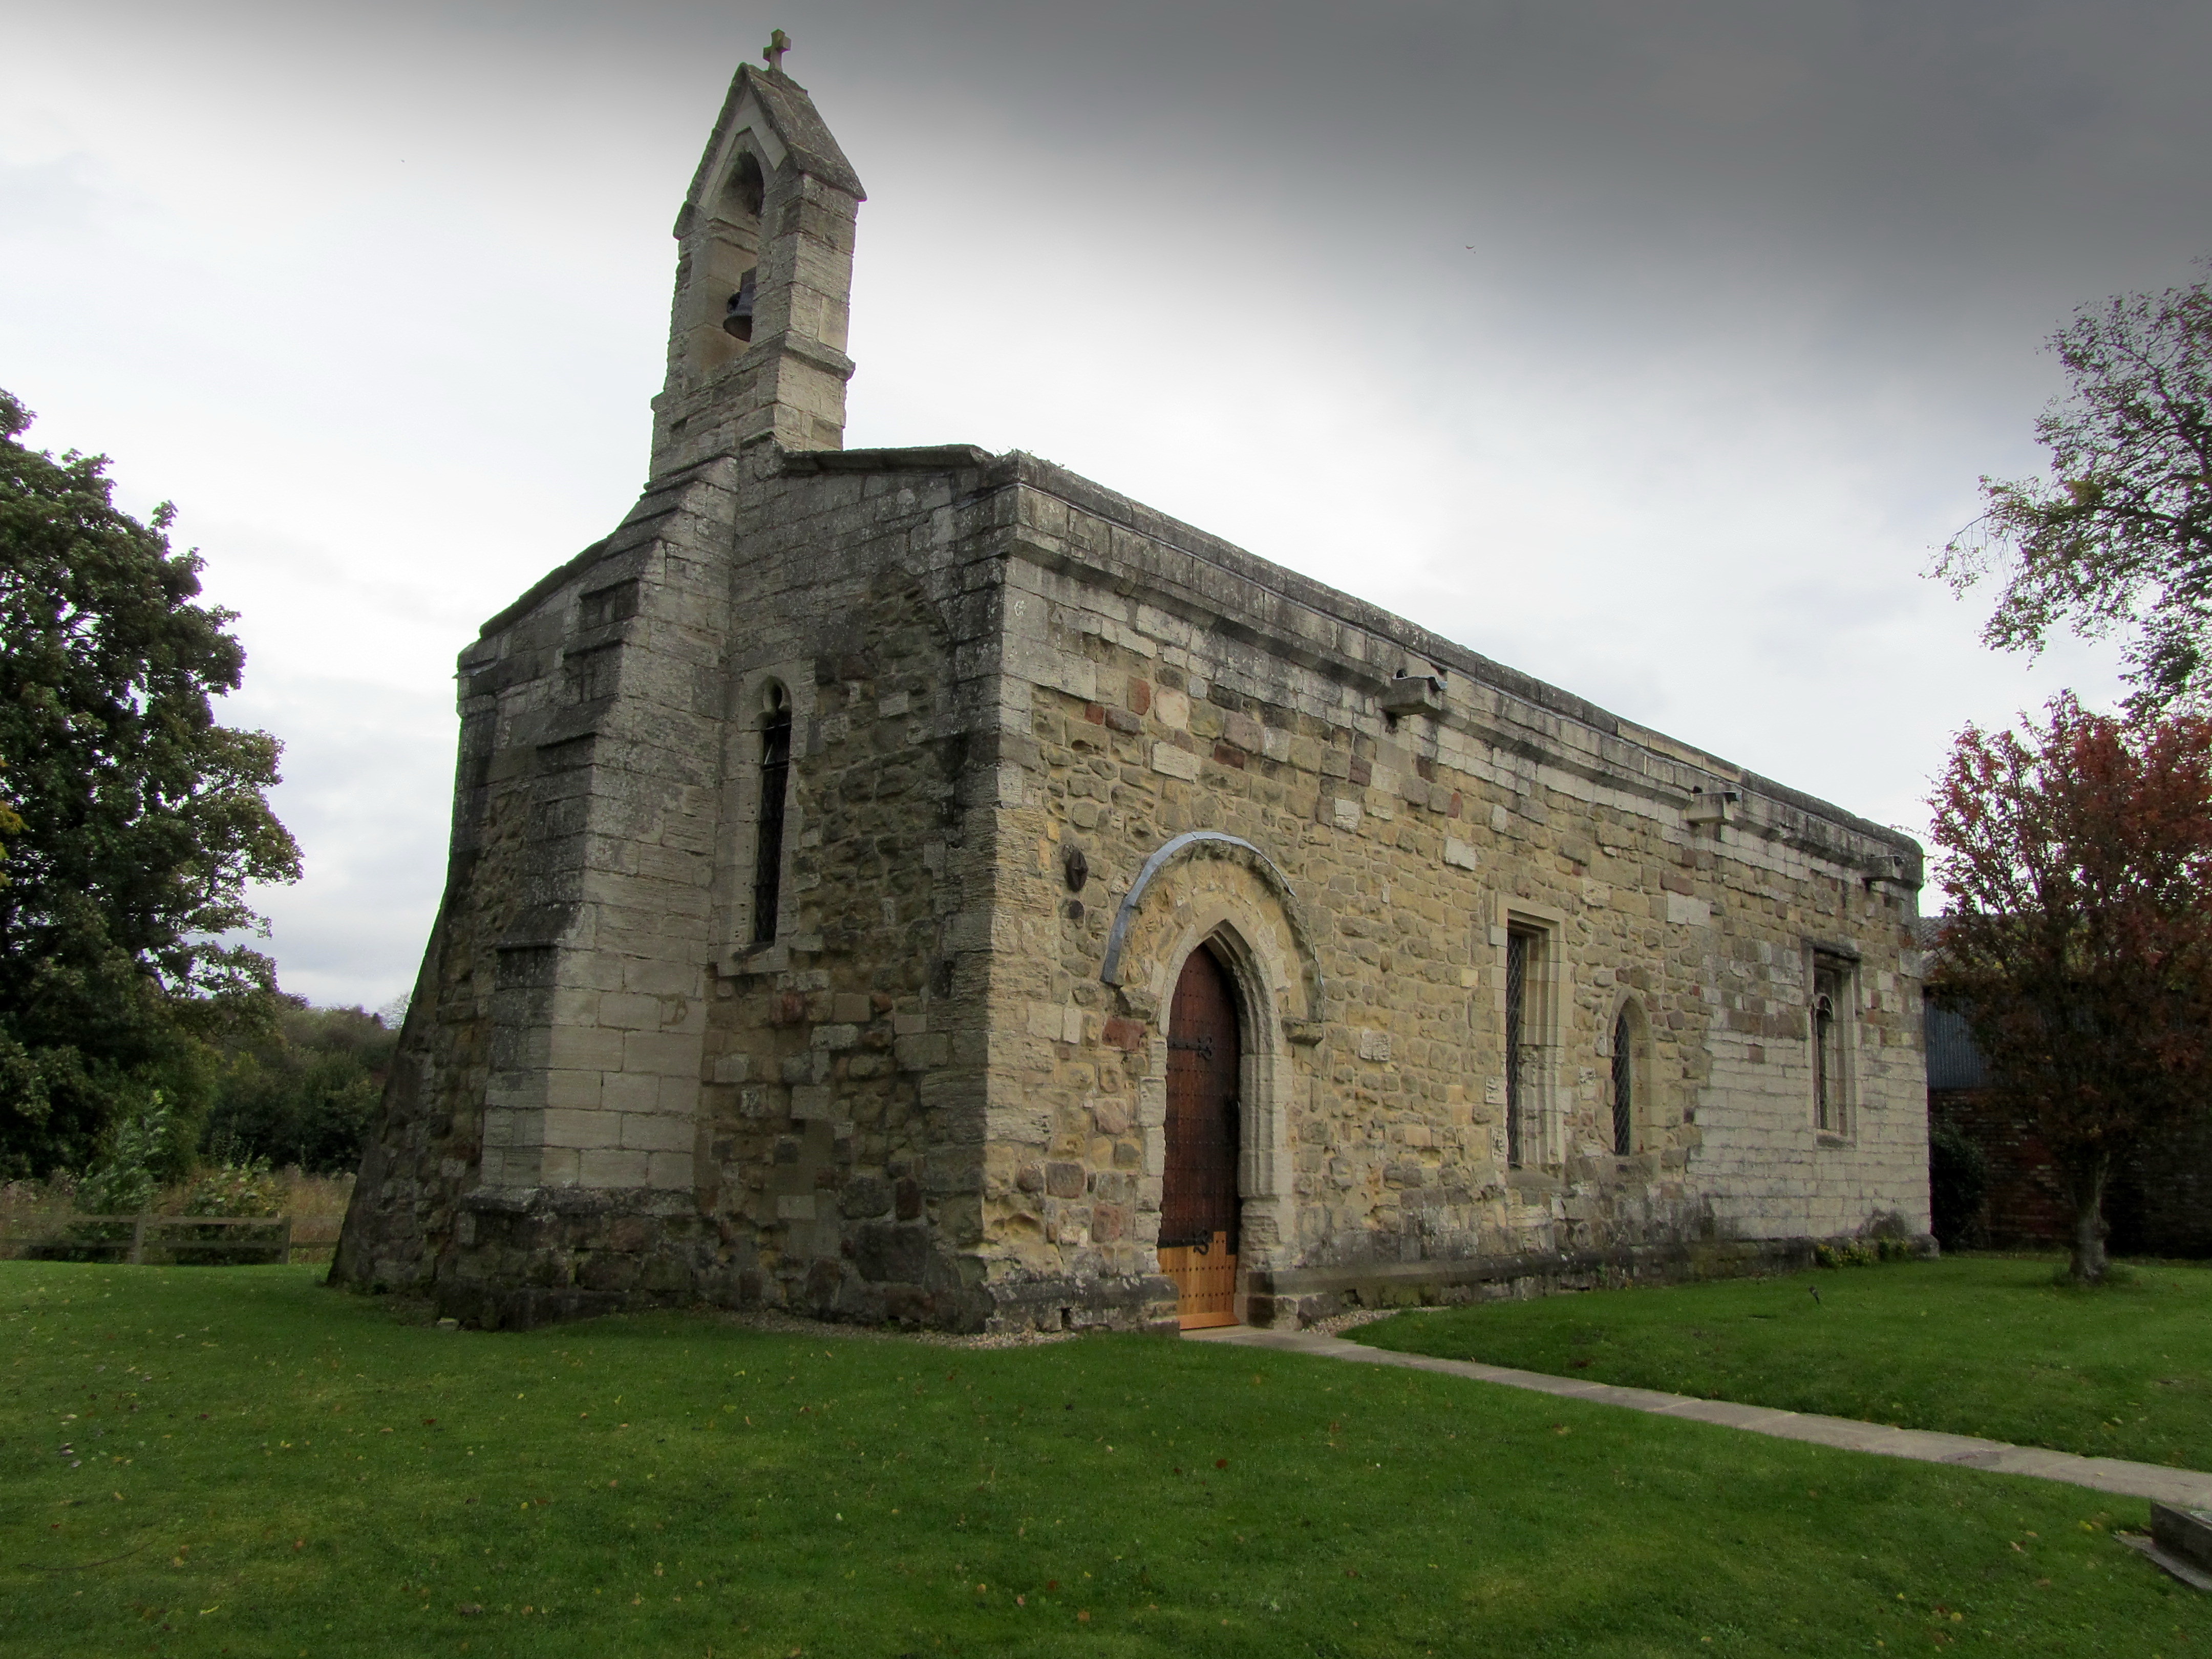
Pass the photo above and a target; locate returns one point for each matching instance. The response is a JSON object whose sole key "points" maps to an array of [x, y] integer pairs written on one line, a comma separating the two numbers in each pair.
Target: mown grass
{"points": [[1975, 1345], [258, 1466]]}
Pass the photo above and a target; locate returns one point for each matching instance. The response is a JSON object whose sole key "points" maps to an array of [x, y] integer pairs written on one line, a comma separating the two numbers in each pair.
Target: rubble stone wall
{"points": [[1167, 684]]}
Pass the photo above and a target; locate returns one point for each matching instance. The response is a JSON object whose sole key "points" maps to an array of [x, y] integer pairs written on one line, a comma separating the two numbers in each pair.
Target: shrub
{"points": [[1958, 1180], [231, 1190], [1861, 1252], [124, 1182], [235, 1190]]}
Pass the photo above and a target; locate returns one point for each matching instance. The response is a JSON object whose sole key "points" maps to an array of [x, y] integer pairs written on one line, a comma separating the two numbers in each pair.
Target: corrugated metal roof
{"points": [[1954, 1061]]}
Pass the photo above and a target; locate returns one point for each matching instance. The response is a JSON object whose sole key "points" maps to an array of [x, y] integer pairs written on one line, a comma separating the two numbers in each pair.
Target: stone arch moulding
{"points": [[1241, 908], [1303, 1024]]}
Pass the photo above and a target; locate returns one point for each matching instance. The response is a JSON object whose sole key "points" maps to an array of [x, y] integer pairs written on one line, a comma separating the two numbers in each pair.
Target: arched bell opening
{"points": [[1202, 1194], [722, 270], [743, 198]]}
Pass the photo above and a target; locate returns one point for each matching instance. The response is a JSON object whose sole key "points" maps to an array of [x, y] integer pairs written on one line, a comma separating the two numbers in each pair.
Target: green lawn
{"points": [[258, 1466], [1972, 1345]]}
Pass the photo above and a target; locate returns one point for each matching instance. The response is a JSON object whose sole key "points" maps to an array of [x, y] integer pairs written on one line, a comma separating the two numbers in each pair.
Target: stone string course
{"points": [[1009, 687]]}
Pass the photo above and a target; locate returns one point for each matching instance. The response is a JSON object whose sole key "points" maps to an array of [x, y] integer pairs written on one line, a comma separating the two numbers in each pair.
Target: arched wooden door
{"points": [[1198, 1205]]}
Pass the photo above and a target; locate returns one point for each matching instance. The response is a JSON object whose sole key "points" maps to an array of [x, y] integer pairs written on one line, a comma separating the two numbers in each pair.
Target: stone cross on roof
{"points": [[778, 44]]}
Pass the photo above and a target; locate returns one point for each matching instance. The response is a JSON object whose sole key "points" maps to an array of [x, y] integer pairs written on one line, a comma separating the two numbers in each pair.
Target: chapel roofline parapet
{"points": [[1686, 769], [1671, 770]]}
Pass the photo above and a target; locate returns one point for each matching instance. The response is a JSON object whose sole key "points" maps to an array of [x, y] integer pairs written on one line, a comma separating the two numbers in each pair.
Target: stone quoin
{"points": [[832, 841]]}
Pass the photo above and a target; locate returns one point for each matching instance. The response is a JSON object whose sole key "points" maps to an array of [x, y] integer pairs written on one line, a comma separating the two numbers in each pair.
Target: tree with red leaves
{"points": [[2078, 855]]}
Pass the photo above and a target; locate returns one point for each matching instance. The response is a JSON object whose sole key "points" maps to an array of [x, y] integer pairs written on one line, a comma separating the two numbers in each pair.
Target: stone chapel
{"points": [[922, 885]]}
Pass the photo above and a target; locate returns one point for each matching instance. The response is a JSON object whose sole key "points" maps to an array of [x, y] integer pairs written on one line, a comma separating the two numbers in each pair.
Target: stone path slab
{"points": [[2185, 1487]]}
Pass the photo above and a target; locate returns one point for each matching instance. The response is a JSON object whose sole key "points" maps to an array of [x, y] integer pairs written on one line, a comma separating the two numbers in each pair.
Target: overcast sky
{"points": [[1650, 349]]}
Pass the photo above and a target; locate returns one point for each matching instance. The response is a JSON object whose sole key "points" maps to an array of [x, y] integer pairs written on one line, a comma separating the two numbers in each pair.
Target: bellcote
{"points": [[758, 331]]}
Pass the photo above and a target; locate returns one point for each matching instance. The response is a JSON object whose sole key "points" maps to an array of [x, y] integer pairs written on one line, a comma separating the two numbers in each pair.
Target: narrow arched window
{"points": [[775, 784], [1518, 945], [1834, 995], [1623, 1085], [1827, 1081]]}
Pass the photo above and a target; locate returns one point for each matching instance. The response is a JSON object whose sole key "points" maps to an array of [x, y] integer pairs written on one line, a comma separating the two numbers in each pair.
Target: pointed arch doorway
{"points": [[1199, 1196]]}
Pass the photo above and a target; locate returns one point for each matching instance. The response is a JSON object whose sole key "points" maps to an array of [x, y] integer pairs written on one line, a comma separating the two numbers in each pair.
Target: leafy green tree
{"points": [[9, 826], [2119, 538], [143, 819], [2078, 856], [304, 1092]]}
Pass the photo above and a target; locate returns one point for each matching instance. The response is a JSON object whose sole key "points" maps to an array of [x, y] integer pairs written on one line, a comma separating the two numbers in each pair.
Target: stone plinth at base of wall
{"points": [[1303, 1295], [1147, 1305], [525, 1259], [556, 1256], [512, 1308]]}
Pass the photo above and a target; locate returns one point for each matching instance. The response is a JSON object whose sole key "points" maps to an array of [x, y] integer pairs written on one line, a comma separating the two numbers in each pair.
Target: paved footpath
{"points": [[2184, 1487]]}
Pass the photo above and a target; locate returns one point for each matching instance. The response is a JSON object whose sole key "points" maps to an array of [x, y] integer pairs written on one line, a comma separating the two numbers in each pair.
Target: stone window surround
{"points": [[1843, 961], [735, 952], [1549, 990]]}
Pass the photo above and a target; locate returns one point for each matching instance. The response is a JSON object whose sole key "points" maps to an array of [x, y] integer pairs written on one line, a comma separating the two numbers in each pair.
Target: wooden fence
{"points": [[51, 1236]]}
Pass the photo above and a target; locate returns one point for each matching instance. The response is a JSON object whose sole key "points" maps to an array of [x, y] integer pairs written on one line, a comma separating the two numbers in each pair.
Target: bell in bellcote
{"points": [[738, 315]]}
